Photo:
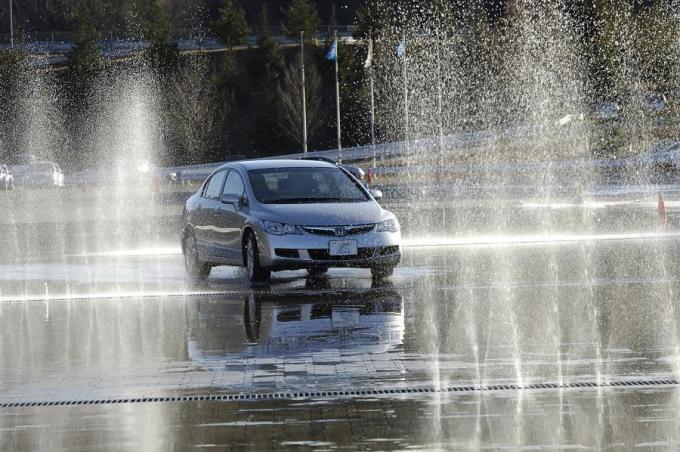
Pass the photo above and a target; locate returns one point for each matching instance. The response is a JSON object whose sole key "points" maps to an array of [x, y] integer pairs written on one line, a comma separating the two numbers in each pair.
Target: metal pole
{"points": [[406, 124], [372, 114], [337, 97], [369, 61], [304, 100], [11, 26], [439, 102]]}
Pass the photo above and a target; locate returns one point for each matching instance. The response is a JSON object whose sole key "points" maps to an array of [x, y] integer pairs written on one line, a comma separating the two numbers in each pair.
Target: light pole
{"points": [[11, 26], [337, 98], [369, 64], [304, 100]]}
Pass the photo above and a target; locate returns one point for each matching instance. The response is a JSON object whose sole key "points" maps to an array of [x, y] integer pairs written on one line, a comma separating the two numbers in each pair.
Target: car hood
{"points": [[327, 214]]}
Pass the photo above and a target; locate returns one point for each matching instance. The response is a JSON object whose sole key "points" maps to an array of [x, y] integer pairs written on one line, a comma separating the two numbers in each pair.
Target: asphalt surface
{"points": [[532, 332]]}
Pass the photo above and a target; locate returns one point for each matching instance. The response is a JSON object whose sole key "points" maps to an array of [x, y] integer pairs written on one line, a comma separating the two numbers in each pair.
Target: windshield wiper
{"points": [[306, 200]]}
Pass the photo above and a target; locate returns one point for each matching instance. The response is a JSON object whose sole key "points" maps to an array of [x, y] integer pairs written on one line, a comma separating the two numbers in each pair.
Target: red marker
{"points": [[661, 211]]}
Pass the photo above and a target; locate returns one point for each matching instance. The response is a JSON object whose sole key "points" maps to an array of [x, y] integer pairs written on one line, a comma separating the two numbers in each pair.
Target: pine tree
{"points": [[85, 60], [372, 18], [231, 28], [301, 16], [162, 53], [13, 81], [269, 56]]}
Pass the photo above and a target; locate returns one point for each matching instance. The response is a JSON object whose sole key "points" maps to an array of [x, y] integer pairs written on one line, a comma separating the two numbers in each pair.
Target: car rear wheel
{"points": [[196, 268], [317, 271], [381, 272], [255, 272]]}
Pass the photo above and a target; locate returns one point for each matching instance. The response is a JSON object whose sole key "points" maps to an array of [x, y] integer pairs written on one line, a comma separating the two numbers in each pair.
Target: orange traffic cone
{"points": [[661, 210]]}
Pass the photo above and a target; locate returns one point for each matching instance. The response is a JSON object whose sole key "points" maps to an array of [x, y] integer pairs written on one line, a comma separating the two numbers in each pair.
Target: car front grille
{"points": [[363, 253], [333, 230]]}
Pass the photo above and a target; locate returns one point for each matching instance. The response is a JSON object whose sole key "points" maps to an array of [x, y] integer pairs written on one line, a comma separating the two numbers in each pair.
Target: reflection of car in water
{"points": [[297, 323], [367, 320], [39, 174]]}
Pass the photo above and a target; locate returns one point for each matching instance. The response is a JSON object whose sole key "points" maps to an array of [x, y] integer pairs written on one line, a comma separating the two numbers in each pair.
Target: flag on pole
{"points": [[369, 57], [333, 52], [401, 49]]}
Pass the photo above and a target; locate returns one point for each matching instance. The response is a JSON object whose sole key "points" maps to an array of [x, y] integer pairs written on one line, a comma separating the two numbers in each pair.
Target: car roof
{"points": [[279, 163]]}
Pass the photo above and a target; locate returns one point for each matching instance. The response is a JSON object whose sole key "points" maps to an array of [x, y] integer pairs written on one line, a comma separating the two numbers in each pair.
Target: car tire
{"points": [[381, 272], [196, 268], [256, 274], [316, 272]]}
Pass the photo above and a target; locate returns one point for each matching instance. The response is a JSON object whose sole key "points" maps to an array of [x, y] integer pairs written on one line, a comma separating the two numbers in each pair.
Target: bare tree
{"points": [[289, 95], [195, 125]]}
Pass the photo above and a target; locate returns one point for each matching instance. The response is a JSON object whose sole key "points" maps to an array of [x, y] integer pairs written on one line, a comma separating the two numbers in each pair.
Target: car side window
{"points": [[214, 185], [234, 185]]}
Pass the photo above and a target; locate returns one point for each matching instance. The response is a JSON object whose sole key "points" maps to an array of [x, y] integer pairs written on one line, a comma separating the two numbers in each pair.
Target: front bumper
{"points": [[307, 250]]}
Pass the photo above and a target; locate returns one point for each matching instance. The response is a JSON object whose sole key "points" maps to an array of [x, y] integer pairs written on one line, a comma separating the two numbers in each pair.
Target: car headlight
{"points": [[276, 228], [391, 225]]}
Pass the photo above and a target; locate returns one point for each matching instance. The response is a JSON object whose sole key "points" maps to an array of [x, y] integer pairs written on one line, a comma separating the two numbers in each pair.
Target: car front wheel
{"points": [[381, 272], [255, 272], [196, 268]]}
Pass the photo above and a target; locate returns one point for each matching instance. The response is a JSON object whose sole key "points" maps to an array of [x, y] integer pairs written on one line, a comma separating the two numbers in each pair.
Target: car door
{"points": [[231, 218], [204, 223]]}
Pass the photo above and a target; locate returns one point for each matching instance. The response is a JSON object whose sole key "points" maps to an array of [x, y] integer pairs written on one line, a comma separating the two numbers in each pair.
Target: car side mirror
{"points": [[230, 199], [243, 201], [377, 194]]}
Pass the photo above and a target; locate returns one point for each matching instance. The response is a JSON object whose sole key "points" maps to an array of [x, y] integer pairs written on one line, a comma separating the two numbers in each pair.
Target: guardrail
{"points": [[463, 143], [62, 41]]}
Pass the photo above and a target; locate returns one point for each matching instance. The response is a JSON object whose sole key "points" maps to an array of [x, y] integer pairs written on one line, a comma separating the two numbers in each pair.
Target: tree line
{"points": [[241, 101], [246, 100]]}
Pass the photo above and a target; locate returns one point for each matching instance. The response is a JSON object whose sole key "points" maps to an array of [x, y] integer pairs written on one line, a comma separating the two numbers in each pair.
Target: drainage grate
{"points": [[349, 393]]}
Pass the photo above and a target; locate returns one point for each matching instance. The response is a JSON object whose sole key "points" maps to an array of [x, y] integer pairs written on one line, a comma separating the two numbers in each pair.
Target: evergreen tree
{"points": [[13, 80], [301, 16], [85, 60], [373, 18], [13, 71], [231, 28], [162, 53], [269, 57]]}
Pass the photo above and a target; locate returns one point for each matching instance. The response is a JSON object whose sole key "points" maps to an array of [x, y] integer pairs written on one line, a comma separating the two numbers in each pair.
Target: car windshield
{"points": [[305, 185], [43, 167]]}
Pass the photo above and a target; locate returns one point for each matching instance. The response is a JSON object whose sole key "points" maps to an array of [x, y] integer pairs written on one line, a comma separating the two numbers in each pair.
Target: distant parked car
{"points": [[655, 102], [354, 170], [270, 215], [39, 174], [6, 178], [607, 111]]}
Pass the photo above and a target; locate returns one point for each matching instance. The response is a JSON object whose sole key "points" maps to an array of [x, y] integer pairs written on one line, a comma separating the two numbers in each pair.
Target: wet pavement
{"points": [[342, 361]]}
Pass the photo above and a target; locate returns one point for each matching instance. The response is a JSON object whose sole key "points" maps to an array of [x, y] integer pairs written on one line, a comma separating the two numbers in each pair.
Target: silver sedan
{"points": [[270, 215]]}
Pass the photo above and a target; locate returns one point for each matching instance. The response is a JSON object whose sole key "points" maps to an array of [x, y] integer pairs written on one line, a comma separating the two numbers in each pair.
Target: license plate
{"points": [[342, 248]]}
